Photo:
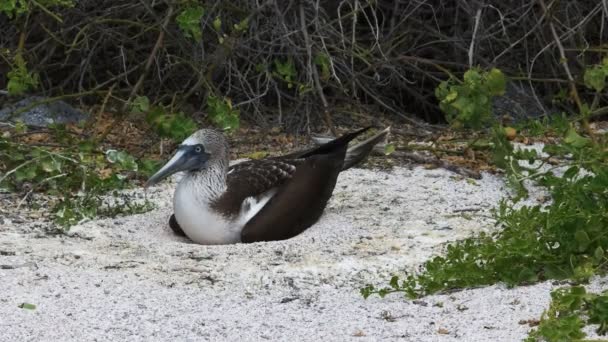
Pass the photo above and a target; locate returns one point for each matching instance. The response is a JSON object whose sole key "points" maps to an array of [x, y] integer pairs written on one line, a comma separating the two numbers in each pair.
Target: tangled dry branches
{"points": [[388, 55]]}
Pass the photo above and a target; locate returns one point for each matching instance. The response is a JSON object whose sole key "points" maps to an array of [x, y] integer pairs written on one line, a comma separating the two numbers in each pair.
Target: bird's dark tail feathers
{"points": [[354, 155], [335, 144], [359, 152]]}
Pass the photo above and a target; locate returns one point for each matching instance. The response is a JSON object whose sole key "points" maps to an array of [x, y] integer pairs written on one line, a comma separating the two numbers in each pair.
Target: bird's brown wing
{"points": [[253, 178]]}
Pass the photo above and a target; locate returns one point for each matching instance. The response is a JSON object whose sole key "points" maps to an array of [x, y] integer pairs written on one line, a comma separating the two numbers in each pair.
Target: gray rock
{"points": [[43, 115], [518, 102]]}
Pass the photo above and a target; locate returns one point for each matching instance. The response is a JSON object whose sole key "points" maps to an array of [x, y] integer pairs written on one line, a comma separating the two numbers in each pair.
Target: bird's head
{"points": [[202, 148]]}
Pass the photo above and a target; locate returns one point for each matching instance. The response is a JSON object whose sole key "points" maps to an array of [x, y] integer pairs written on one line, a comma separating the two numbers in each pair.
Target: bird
{"points": [[269, 199]]}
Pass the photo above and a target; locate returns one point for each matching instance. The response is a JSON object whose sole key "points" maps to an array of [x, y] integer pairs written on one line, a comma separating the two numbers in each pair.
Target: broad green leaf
{"points": [[222, 113], [20, 79], [26, 173], [451, 96], [27, 306], [582, 239], [20, 127], [496, 82], [141, 104], [472, 76], [574, 139], [595, 78], [122, 158], [217, 24], [189, 21], [571, 172], [598, 254], [12, 8], [389, 149], [243, 25]]}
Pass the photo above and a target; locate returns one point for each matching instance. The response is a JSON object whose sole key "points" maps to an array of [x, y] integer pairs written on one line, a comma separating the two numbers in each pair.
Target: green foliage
{"points": [[322, 61], [598, 312], [75, 209], [20, 79], [564, 239], [555, 125], [122, 160], [176, 126], [222, 113], [564, 320], [80, 175], [27, 306], [140, 104], [147, 167], [469, 103], [389, 149], [286, 71], [12, 8], [217, 24], [189, 21], [242, 26], [15, 8], [595, 77]]}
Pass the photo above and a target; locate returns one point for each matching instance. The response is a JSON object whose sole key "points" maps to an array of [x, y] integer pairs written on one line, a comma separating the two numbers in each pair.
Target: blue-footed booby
{"points": [[256, 200]]}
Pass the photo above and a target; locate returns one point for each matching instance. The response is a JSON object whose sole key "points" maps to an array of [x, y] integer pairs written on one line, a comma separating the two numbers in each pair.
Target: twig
{"points": [[17, 168], [105, 100], [40, 183], [313, 71], [142, 76], [564, 63], [472, 46], [47, 11], [150, 60]]}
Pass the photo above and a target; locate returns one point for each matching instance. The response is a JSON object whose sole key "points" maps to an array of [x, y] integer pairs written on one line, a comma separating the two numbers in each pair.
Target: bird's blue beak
{"points": [[187, 158]]}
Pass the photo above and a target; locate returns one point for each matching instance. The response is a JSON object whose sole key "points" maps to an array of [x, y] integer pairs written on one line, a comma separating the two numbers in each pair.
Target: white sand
{"points": [[130, 278]]}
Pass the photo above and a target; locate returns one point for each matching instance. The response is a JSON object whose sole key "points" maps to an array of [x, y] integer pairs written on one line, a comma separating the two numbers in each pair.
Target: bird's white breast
{"points": [[199, 221]]}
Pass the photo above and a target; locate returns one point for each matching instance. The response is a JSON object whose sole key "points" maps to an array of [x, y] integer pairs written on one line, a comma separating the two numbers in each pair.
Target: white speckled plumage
{"points": [[192, 206]]}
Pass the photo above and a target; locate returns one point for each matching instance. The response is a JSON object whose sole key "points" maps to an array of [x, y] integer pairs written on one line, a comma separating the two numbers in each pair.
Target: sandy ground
{"points": [[130, 278]]}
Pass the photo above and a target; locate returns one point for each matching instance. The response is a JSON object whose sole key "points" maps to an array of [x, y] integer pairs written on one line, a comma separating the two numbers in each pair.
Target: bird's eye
{"points": [[198, 149]]}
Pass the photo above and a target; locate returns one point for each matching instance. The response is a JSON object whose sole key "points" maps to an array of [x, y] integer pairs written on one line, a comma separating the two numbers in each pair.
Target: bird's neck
{"points": [[210, 183]]}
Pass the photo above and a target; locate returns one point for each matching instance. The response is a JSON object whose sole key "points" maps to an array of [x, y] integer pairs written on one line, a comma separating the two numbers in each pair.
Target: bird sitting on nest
{"points": [[256, 200]]}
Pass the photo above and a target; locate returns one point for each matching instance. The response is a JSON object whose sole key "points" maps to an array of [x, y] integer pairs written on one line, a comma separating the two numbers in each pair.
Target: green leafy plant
{"points": [[468, 103], [565, 318], [565, 238], [322, 61], [72, 210], [20, 79], [286, 71], [80, 175], [12, 8], [174, 125], [595, 77], [217, 24], [27, 306], [16, 8], [241, 26], [222, 113], [189, 21]]}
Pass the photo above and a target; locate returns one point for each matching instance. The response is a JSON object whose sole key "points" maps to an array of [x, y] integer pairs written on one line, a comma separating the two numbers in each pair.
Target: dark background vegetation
{"points": [[298, 64]]}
